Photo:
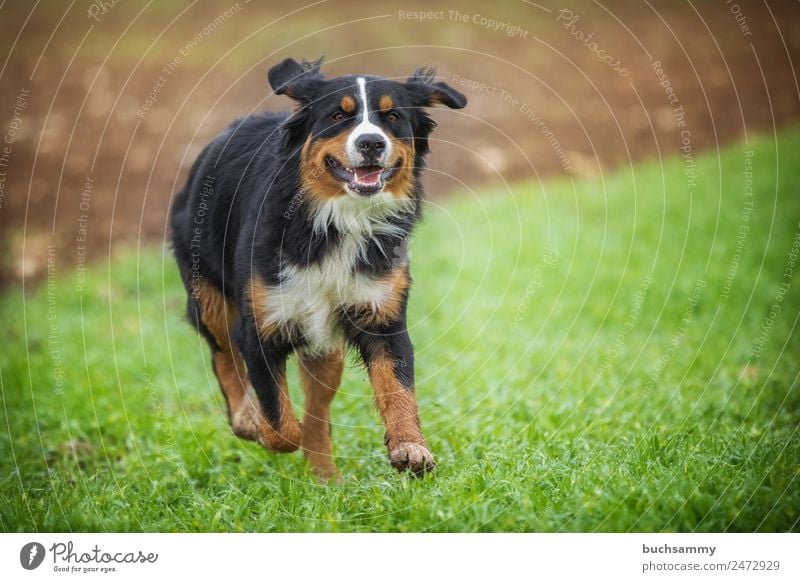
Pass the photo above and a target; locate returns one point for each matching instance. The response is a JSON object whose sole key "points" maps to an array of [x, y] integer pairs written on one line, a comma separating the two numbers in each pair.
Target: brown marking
{"points": [[389, 310], [398, 407], [320, 377], [315, 178], [434, 99], [386, 103], [395, 402], [229, 369], [230, 372], [218, 315], [348, 104], [403, 153], [399, 282], [319, 183], [216, 312], [257, 293]]}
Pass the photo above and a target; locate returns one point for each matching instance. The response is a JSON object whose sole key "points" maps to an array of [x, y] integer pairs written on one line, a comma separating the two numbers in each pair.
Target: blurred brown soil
{"points": [[87, 170]]}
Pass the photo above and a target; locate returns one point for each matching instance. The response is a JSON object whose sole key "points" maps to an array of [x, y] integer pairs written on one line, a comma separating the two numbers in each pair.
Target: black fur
{"points": [[241, 214]]}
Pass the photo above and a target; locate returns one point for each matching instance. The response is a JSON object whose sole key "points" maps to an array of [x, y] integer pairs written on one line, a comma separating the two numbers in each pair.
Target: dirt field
{"points": [[104, 106]]}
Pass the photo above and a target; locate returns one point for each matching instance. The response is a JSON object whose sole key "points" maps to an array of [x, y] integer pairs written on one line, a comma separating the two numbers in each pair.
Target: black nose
{"points": [[371, 144]]}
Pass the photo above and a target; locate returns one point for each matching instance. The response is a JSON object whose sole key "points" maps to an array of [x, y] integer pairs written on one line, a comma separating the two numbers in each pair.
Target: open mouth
{"points": [[365, 180]]}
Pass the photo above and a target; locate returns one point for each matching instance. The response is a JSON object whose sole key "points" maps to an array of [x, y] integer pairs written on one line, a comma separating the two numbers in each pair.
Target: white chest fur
{"points": [[310, 299]]}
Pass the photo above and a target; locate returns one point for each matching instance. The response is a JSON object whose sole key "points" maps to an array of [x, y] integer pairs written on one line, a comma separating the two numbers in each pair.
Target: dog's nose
{"points": [[371, 144]]}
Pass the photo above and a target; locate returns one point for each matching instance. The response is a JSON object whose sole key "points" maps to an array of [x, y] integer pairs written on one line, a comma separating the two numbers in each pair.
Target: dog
{"points": [[289, 237]]}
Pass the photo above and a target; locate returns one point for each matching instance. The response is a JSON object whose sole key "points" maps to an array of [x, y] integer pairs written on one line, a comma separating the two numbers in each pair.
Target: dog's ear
{"points": [[295, 79], [428, 93]]}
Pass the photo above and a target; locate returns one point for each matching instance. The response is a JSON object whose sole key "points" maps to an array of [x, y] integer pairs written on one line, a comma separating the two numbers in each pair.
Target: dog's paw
{"points": [[248, 423], [244, 422], [287, 440], [412, 457]]}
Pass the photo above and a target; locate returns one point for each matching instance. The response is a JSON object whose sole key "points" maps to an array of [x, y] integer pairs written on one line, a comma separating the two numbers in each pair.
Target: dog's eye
{"points": [[338, 116], [392, 117]]}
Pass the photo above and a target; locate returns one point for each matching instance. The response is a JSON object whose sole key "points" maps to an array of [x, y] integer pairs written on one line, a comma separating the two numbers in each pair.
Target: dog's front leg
{"points": [[278, 429], [389, 356], [320, 376]]}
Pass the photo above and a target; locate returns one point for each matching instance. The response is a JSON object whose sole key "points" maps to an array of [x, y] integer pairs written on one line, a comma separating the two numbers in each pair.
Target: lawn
{"points": [[610, 354]]}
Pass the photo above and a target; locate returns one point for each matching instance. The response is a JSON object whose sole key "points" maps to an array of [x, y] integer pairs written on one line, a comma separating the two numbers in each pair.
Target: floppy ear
{"points": [[427, 93], [295, 79]]}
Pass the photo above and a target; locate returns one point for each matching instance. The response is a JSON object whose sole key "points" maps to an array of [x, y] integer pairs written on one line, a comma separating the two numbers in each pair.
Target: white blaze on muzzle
{"points": [[365, 127]]}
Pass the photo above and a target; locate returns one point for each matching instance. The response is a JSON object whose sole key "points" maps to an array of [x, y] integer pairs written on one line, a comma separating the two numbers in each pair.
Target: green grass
{"points": [[633, 382]]}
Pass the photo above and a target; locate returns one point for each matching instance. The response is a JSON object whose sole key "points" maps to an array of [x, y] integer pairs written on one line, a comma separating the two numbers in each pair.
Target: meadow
{"points": [[616, 353]]}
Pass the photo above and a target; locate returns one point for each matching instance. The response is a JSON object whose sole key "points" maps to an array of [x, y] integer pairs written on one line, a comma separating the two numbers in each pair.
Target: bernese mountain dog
{"points": [[290, 234]]}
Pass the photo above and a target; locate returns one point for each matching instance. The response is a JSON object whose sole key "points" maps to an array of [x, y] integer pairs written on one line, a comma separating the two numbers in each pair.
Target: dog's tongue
{"points": [[369, 175]]}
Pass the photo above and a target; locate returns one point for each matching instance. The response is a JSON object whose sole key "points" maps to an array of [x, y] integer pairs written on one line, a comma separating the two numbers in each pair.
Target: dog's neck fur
{"points": [[363, 240]]}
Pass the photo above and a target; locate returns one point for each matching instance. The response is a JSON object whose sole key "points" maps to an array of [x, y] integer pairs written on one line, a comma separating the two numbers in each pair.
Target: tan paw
{"points": [[412, 457], [286, 441], [248, 423], [244, 422]]}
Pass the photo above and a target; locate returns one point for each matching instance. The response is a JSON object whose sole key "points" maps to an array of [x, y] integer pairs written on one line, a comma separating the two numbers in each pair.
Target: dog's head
{"points": [[359, 135]]}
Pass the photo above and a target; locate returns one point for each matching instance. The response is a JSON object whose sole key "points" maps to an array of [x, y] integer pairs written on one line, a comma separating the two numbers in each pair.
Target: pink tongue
{"points": [[368, 175]]}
